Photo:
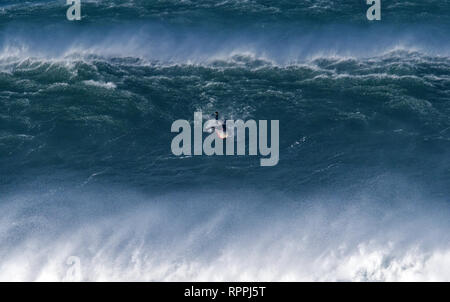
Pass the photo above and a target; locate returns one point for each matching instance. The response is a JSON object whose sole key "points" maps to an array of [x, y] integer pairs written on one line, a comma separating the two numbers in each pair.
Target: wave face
{"points": [[362, 188]]}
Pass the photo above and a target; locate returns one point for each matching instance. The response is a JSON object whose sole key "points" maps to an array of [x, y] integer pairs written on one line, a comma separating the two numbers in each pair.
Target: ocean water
{"points": [[362, 188]]}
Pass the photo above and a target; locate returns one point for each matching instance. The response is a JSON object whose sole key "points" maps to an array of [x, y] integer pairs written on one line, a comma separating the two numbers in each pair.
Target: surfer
{"points": [[224, 127], [224, 124], [222, 133]]}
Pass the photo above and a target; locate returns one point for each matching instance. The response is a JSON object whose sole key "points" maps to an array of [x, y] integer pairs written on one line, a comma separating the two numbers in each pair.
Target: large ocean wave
{"points": [[361, 191]]}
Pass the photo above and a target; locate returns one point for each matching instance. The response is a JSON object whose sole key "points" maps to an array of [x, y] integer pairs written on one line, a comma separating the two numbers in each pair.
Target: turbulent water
{"points": [[361, 191]]}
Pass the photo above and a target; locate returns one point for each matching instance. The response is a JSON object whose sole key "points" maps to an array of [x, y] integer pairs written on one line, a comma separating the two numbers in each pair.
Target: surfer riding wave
{"points": [[219, 126]]}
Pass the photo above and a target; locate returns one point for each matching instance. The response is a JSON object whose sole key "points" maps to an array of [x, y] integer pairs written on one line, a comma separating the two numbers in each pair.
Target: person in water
{"points": [[224, 125]]}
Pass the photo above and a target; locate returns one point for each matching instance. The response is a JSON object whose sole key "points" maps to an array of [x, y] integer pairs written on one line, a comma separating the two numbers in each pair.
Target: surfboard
{"points": [[221, 134]]}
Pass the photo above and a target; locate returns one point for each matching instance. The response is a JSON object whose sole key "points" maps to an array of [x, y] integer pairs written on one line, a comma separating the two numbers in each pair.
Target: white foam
{"points": [[107, 85], [192, 240]]}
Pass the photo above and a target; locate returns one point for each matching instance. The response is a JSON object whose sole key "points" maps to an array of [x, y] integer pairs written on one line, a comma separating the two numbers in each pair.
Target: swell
{"points": [[197, 31], [230, 12]]}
